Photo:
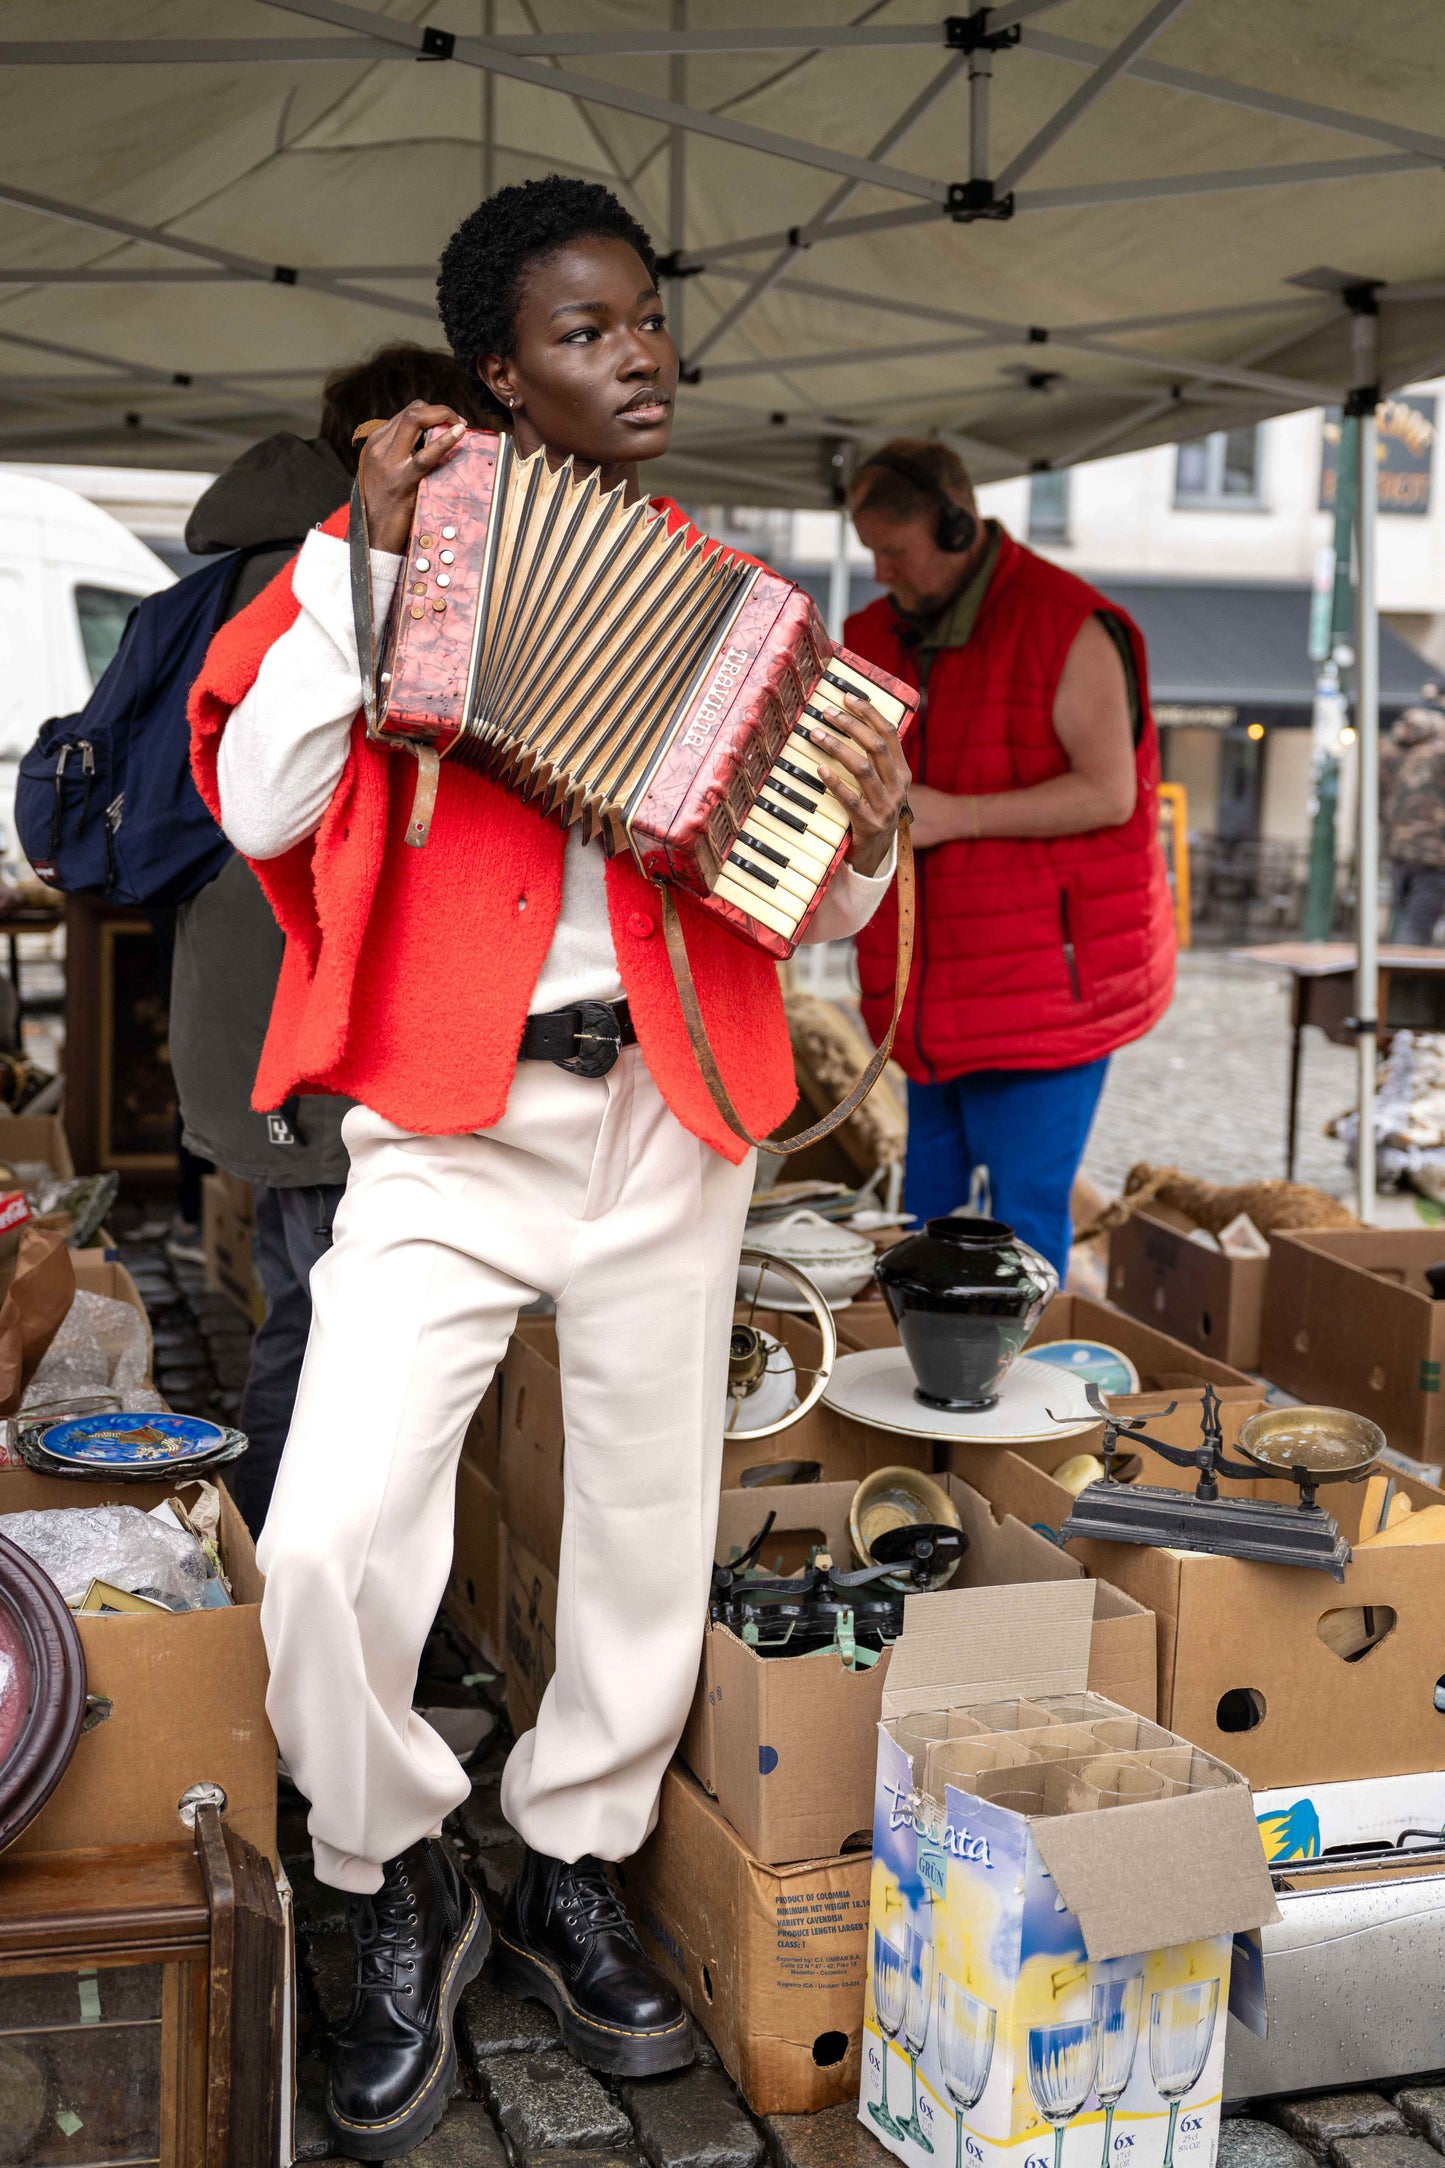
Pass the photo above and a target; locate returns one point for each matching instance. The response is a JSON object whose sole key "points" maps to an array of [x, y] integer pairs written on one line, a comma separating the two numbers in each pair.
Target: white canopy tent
{"points": [[1044, 230]]}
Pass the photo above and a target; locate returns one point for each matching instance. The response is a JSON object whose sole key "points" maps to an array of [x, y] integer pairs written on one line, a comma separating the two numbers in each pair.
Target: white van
{"points": [[69, 577]]}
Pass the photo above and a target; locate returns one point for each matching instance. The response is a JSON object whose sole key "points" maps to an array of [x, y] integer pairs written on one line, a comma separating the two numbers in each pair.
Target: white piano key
{"points": [[787, 878], [805, 848], [749, 896]]}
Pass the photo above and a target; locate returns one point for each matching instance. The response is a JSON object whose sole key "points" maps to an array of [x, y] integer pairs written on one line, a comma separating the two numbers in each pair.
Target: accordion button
{"points": [[641, 925], [423, 564], [449, 557], [449, 534], [444, 579], [417, 610]]}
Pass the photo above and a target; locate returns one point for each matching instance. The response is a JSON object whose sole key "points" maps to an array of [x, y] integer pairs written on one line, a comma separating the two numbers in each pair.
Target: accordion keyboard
{"points": [[788, 845]]}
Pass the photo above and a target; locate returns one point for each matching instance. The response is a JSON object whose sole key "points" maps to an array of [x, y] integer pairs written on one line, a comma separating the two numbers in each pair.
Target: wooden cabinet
{"points": [[142, 2007]]}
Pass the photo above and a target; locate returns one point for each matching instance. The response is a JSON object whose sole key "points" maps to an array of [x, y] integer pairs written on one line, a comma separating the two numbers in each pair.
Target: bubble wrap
{"points": [[132, 1550], [101, 1343]]}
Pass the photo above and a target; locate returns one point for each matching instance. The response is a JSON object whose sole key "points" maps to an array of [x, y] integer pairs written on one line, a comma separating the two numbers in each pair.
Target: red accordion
{"points": [[670, 697]]}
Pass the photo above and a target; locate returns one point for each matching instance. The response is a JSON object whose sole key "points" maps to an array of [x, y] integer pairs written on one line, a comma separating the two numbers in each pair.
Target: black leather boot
{"points": [[419, 1940], [565, 1940]]}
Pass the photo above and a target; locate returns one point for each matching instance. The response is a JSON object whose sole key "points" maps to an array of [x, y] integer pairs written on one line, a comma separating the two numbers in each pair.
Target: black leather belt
{"points": [[585, 1040]]}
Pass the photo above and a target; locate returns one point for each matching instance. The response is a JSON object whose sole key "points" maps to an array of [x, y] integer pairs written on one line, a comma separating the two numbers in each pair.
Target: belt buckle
{"points": [[599, 1040]]}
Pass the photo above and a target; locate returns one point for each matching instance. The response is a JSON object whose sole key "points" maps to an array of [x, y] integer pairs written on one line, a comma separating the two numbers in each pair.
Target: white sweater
{"points": [[285, 746]]}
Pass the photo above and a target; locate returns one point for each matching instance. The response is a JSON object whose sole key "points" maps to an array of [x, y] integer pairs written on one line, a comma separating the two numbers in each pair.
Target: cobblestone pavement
{"points": [[1206, 1090]]}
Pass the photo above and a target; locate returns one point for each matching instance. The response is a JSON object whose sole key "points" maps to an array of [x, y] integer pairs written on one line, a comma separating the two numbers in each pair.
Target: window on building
{"points": [[1222, 469], [102, 612], [1049, 507]]}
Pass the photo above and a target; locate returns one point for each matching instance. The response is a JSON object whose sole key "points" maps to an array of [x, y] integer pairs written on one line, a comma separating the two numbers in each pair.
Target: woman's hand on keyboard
{"points": [[865, 770]]}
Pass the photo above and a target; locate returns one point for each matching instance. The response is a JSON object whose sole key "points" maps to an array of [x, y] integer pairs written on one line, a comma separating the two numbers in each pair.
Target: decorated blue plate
{"points": [[1092, 1360], [143, 1445]]}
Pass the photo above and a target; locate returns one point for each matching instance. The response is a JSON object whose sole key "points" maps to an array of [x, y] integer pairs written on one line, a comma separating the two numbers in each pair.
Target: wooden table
{"points": [[1322, 992]]}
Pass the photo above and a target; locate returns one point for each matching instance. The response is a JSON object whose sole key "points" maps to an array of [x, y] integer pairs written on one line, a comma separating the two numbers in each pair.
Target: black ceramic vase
{"points": [[965, 1295]]}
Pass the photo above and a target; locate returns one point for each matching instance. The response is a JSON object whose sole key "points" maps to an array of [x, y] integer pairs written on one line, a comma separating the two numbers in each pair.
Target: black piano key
{"points": [[794, 797], [744, 865], [781, 813], [766, 850], [801, 775]]}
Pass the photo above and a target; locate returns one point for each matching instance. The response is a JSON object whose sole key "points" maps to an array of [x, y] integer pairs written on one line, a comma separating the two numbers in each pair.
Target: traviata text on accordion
{"points": [[673, 699]]}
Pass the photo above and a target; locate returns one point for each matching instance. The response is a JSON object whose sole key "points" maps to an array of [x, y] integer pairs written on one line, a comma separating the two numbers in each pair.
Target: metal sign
{"points": [[1404, 449]]}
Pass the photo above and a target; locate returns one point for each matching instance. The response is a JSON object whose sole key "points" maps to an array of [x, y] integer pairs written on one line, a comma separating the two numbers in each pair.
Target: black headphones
{"points": [[956, 529]]}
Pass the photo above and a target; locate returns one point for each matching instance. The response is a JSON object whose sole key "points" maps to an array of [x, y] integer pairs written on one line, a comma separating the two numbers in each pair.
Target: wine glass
{"points": [[966, 2030], [1118, 2006], [915, 2021], [1061, 2073], [1181, 2032], [890, 1995]]}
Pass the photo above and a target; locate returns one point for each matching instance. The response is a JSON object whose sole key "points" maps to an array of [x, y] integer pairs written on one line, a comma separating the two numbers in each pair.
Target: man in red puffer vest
{"points": [[1045, 935]]}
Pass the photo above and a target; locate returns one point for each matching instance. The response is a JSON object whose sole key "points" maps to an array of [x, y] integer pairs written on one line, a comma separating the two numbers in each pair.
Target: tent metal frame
{"points": [[972, 45]]}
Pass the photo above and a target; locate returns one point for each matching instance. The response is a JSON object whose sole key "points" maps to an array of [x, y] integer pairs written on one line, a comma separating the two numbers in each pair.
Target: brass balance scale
{"points": [[1304, 1446]]}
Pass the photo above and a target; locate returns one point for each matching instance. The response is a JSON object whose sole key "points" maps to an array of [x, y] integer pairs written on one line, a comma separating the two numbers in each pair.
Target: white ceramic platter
{"points": [[876, 1387]]}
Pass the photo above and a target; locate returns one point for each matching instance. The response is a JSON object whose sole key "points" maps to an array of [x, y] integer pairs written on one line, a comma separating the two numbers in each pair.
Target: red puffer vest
{"points": [[1032, 952], [408, 973]]}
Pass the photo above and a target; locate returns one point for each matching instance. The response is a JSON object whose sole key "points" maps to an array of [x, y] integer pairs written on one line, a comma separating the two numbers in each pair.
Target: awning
{"points": [[1045, 230], [1221, 645]]}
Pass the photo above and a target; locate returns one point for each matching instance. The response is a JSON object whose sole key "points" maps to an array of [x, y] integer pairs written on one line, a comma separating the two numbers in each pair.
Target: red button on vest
{"points": [[639, 923]]}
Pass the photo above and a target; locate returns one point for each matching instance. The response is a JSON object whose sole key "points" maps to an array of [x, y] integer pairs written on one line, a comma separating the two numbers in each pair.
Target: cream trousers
{"points": [[589, 1191]]}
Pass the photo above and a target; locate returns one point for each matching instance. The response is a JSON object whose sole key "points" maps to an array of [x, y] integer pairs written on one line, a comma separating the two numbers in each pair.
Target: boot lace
{"points": [[591, 1904], [383, 1929]]}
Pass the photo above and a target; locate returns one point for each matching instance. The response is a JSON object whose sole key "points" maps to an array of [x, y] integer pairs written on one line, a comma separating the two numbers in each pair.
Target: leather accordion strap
{"points": [[862, 1085], [358, 540]]}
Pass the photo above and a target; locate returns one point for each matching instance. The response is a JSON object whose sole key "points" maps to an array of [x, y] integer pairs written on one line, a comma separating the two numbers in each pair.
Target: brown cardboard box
{"points": [[186, 1696], [1211, 1301], [769, 1960], [482, 1445], [474, 1594], [228, 1228], [788, 1745], [1251, 1644], [1349, 1322], [36, 1136]]}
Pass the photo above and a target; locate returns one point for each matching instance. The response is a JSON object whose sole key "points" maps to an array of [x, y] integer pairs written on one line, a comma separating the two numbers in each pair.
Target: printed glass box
{"points": [[1047, 1983]]}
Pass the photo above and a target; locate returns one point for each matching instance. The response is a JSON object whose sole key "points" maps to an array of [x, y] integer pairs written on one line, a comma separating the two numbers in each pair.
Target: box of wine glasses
{"points": [[1057, 1884]]}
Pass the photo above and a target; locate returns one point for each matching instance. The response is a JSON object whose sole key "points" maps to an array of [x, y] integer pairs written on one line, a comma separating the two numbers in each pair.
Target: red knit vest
{"points": [[408, 973], [1032, 952]]}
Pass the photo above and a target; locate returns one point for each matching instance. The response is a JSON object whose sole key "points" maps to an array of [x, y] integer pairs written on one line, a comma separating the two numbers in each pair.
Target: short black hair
{"points": [[479, 285], [377, 388]]}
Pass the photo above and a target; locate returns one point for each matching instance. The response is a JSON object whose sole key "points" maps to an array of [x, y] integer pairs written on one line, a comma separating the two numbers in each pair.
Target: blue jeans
{"points": [[1028, 1127]]}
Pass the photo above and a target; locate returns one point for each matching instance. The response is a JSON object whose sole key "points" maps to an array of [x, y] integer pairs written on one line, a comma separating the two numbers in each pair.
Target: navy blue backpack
{"points": [[105, 804]]}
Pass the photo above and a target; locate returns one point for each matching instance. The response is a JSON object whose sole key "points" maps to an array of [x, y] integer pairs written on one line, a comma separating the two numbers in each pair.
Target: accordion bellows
{"points": [[669, 697]]}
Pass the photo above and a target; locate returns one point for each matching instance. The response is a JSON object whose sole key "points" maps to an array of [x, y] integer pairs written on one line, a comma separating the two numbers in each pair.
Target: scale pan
{"points": [[1328, 1444]]}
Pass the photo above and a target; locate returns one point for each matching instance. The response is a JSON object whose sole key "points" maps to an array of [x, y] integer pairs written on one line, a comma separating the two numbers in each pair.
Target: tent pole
{"points": [[1367, 723]]}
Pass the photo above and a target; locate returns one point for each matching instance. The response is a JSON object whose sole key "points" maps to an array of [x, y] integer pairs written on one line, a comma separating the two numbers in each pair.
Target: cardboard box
{"points": [[475, 1592], [1291, 1676], [1165, 1365], [228, 1230], [1040, 1954], [1214, 1302], [482, 1445], [1349, 1322], [788, 1745], [769, 1960], [37, 1136], [185, 1697]]}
